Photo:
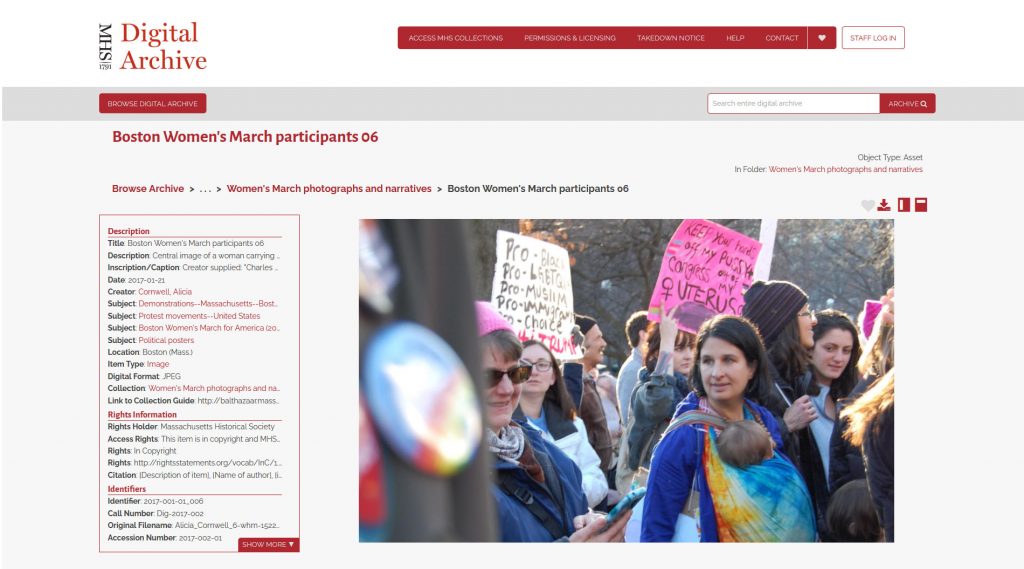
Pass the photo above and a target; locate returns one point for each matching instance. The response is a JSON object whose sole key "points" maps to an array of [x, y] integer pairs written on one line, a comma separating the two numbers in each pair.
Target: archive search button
{"points": [[907, 103]]}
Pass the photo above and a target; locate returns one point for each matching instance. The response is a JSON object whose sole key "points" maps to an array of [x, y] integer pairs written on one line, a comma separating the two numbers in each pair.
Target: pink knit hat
{"points": [[488, 320]]}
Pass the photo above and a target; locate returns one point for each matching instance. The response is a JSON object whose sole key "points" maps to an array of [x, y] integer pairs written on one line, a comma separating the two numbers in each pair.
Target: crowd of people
{"points": [[776, 425]]}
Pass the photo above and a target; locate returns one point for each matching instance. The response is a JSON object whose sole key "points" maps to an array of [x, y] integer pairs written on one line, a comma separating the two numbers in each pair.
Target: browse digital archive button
{"points": [[153, 103]]}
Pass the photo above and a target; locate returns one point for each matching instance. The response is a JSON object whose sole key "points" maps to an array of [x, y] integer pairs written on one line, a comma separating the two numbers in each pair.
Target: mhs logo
{"points": [[151, 47], [106, 52]]}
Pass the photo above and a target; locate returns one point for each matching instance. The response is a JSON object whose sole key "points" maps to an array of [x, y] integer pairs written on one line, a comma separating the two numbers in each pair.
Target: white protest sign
{"points": [[533, 291]]}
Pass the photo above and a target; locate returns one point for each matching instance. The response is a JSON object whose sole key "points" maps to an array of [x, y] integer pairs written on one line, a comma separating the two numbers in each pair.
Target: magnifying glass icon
{"points": [[924, 104]]}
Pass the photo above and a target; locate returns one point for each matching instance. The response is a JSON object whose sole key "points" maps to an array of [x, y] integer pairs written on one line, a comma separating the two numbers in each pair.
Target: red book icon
{"points": [[920, 204], [902, 204]]}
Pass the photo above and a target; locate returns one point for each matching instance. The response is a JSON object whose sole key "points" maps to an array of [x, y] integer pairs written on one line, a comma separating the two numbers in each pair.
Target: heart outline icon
{"points": [[868, 205]]}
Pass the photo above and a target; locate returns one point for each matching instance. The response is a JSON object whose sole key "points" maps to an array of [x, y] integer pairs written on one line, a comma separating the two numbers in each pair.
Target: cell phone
{"points": [[625, 504]]}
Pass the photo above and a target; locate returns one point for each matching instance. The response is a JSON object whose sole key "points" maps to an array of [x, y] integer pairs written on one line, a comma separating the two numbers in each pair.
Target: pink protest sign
{"points": [[704, 272]]}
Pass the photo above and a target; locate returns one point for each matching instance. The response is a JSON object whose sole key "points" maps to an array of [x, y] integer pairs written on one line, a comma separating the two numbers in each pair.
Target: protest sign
{"points": [[763, 269], [533, 290], [704, 272]]}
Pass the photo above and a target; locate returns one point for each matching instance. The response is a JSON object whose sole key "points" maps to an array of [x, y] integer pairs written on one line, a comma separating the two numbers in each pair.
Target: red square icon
{"points": [[902, 204], [920, 204]]}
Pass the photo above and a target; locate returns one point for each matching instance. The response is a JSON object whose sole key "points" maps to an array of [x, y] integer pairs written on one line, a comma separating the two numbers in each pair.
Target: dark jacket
{"points": [[846, 463], [592, 413], [800, 445], [561, 495], [572, 373], [879, 439], [813, 472], [652, 405], [780, 395], [558, 425], [573, 442]]}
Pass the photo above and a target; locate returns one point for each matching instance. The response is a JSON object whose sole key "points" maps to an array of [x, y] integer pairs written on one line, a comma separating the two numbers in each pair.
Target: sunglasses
{"points": [[516, 375]]}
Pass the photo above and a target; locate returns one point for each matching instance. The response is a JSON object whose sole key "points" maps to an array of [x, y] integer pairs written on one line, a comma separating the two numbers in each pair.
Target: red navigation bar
{"points": [[589, 37], [153, 103]]}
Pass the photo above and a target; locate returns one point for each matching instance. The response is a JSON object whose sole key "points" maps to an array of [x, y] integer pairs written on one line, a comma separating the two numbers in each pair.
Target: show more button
{"points": [[152, 103], [268, 544]]}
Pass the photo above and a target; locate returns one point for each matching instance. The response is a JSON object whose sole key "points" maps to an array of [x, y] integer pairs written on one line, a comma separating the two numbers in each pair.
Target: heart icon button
{"points": [[821, 37], [868, 205]]}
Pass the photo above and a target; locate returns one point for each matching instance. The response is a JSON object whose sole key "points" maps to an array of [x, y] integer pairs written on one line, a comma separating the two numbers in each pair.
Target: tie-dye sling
{"points": [[767, 502]]}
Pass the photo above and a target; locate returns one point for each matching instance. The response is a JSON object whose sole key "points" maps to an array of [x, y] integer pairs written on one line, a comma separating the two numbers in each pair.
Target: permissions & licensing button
{"points": [[152, 102]]}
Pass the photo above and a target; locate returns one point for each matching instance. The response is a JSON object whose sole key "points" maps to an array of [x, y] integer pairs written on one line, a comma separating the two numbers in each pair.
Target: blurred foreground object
{"points": [[415, 302]]}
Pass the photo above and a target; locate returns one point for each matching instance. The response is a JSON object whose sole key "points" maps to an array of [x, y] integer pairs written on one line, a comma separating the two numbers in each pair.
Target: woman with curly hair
{"points": [[872, 420]]}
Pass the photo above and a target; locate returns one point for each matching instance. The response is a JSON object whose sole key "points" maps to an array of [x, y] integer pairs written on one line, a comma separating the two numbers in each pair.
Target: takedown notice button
{"points": [[268, 544], [907, 103], [152, 102]]}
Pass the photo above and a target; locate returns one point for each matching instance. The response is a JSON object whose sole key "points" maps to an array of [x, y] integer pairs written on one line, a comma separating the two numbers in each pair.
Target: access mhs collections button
{"points": [[153, 103], [874, 37], [268, 544], [906, 103]]}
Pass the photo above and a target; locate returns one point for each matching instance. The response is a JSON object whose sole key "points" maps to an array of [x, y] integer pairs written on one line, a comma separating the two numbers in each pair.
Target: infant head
{"points": [[743, 443]]}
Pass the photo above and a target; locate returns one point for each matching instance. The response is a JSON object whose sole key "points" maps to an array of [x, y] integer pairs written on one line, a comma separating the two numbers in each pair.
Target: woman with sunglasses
{"points": [[538, 489], [546, 404]]}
